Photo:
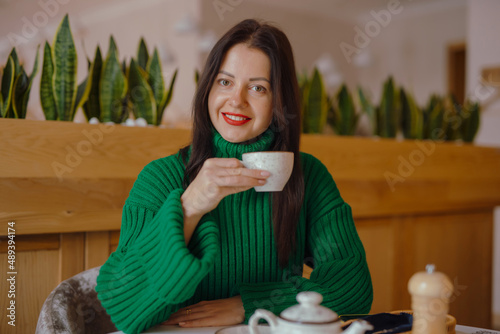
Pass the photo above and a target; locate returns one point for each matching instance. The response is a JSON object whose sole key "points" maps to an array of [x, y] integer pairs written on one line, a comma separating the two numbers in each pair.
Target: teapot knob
{"points": [[309, 298]]}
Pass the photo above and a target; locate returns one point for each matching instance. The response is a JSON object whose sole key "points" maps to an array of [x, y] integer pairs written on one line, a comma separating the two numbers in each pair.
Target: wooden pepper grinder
{"points": [[430, 293]]}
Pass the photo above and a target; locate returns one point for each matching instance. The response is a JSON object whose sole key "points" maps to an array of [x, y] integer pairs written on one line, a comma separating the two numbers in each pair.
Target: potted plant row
{"points": [[111, 92], [442, 118]]}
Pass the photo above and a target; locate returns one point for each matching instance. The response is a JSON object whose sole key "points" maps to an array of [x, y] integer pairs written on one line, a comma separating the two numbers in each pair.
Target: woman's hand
{"points": [[217, 178], [220, 312]]}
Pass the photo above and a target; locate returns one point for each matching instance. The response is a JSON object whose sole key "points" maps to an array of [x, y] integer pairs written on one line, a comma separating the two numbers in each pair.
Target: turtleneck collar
{"points": [[225, 149]]}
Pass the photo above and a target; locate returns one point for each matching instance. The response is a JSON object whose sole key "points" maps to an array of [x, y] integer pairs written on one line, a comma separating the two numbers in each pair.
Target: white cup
{"points": [[279, 164]]}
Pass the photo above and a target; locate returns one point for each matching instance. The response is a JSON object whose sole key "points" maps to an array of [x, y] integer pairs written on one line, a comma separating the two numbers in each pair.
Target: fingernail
{"points": [[262, 181], [265, 173], [182, 323]]}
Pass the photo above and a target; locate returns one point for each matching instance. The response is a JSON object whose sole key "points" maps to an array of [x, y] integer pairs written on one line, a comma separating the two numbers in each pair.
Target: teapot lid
{"points": [[309, 310]]}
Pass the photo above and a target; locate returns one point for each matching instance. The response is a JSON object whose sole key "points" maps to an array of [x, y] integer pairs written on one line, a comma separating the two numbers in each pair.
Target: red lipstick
{"points": [[235, 122]]}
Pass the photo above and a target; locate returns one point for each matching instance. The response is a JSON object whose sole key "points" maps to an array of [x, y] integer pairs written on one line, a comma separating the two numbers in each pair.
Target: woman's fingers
{"points": [[223, 162], [189, 313], [220, 312], [218, 178]]}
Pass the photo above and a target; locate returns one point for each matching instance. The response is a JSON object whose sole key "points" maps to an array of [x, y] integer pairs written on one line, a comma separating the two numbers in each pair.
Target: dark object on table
{"points": [[386, 322]]}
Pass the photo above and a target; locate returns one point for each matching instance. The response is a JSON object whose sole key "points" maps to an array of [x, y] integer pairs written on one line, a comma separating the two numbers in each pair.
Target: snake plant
{"points": [[60, 95], [113, 87], [388, 113], [452, 118], [412, 119], [342, 115], [369, 108], [434, 125], [91, 107], [142, 54], [141, 94], [470, 121], [315, 103], [16, 87], [147, 87]]}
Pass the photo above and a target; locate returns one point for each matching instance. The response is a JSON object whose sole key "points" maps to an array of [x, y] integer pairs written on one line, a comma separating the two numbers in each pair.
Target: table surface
{"points": [[211, 330]]}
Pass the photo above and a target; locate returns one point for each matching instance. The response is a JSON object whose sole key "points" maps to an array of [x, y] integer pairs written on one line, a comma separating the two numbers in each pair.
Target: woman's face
{"points": [[240, 100]]}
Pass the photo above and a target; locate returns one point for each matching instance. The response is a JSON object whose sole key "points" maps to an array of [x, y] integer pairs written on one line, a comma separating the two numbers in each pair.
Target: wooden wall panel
{"points": [[460, 246], [114, 238], [378, 240], [96, 248], [71, 255], [37, 275]]}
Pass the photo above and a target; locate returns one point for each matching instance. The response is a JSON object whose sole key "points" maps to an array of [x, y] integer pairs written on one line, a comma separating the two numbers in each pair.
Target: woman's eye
{"points": [[224, 82], [259, 89]]}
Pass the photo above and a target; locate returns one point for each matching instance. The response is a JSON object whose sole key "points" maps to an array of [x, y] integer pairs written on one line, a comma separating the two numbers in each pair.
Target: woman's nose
{"points": [[238, 98]]}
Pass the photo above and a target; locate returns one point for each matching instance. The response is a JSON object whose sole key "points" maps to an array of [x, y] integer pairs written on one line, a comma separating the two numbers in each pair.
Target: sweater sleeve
{"points": [[340, 271], [152, 269]]}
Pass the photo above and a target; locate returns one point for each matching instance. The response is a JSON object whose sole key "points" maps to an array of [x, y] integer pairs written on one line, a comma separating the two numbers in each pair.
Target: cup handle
{"points": [[261, 314]]}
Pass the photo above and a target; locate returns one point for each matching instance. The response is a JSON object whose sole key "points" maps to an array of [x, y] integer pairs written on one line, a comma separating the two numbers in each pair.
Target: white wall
{"points": [[92, 22], [412, 48], [311, 36], [484, 51]]}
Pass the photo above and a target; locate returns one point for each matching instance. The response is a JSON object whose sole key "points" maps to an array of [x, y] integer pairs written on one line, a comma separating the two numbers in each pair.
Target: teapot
{"points": [[308, 317]]}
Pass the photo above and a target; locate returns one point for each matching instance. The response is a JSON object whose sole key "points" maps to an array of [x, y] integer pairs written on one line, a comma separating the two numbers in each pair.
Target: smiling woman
{"points": [[198, 245], [240, 101]]}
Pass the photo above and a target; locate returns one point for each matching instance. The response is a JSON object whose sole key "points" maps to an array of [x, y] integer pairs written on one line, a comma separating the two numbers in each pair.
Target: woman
{"points": [[198, 246]]}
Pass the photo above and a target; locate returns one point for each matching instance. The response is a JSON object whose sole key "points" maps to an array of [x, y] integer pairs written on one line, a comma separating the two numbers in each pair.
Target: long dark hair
{"points": [[285, 122]]}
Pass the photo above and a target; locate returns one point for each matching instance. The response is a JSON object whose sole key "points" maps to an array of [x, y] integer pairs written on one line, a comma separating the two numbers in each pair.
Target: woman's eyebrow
{"points": [[251, 79]]}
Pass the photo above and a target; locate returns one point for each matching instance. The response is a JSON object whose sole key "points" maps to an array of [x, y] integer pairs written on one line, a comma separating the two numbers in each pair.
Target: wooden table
{"points": [[211, 330]]}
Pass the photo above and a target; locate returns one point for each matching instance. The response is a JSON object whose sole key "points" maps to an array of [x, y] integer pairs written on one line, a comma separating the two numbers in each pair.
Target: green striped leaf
{"points": [[47, 99], [20, 86], [387, 116], [369, 109], [141, 94], [112, 45], [112, 89], [196, 76], [436, 124], [65, 68], [166, 98], [348, 117], [142, 54], [82, 94], [155, 78], [7, 86], [412, 120], [316, 101], [91, 107], [470, 121], [24, 91], [17, 65]]}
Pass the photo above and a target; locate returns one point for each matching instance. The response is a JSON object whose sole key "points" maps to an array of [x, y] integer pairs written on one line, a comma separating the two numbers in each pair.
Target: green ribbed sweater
{"points": [[232, 251]]}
